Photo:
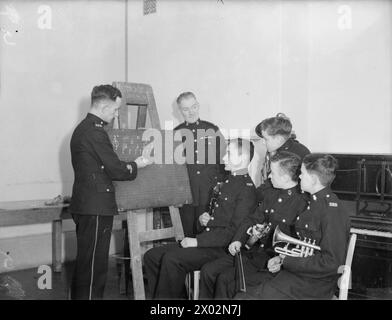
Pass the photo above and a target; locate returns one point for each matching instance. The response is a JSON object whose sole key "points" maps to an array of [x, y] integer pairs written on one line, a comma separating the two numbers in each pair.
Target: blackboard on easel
{"points": [[158, 185], [152, 182]]}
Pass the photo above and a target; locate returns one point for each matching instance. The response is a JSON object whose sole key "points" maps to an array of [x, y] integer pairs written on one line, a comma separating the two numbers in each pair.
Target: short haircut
{"points": [[278, 125], [289, 162], [322, 165], [185, 95], [244, 145], [104, 92]]}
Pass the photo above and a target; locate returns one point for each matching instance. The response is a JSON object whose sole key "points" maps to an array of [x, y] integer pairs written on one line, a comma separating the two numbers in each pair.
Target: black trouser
{"points": [[218, 278], [93, 235], [189, 217], [263, 291], [166, 268]]}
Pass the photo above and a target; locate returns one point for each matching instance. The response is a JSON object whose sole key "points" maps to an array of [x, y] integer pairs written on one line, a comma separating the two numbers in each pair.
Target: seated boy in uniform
{"points": [[166, 266], [280, 207], [278, 136], [323, 223]]}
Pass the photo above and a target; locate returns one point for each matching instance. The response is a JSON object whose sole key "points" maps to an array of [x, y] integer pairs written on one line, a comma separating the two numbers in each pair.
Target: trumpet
{"points": [[303, 248]]}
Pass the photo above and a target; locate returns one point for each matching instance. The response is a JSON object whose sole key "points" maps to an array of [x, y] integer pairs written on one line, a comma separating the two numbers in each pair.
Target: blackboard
{"points": [[158, 185]]}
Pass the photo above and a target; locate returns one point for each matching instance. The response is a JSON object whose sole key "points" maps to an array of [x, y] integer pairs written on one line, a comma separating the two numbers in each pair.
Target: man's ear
{"points": [[314, 178]]}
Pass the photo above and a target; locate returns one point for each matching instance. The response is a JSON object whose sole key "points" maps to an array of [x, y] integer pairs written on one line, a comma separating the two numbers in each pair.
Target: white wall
{"points": [[350, 88], [247, 60], [46, 80]]}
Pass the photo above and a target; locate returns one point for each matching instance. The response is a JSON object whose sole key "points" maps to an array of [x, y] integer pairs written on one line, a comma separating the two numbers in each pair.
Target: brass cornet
{"points": [[302, 249]]}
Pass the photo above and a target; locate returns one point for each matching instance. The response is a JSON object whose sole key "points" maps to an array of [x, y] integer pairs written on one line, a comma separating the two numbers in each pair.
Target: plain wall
{"points": [[45, 84]]}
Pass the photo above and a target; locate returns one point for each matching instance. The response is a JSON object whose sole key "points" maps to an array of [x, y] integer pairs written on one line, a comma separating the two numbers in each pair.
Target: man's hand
{"points": [[274, 264], [189, 242], [235, 247], [142, 162], [204, 218]]}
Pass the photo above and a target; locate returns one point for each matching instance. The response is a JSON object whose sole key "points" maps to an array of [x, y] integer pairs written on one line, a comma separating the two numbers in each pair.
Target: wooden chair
{"points": [[136, 237], [193, 289], [345, 279]]}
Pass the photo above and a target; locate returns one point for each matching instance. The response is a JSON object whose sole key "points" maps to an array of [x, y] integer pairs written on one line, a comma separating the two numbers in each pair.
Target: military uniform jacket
{"points": [[236, 200], [204, 169], [95, 166], [291, 145], [315, 277], [279, 208]]}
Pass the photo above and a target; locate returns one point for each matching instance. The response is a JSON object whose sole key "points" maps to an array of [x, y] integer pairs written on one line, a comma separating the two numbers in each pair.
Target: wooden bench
{"points": [[17, 213]]}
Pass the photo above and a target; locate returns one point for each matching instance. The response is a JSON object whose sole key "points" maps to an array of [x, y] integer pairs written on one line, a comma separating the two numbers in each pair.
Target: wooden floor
{"points": [[22, 285]]}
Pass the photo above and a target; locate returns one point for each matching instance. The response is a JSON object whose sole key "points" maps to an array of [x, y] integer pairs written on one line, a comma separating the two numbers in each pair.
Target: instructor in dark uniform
{"points": [[93, 202], [204, 149]]}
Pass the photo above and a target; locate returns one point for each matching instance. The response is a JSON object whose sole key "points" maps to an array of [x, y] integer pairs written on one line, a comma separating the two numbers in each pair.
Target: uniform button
{"points": [[262, 245], [195, 140], [297, 233], [197, 161], [196, 151], [225, 198], [193, 130], [107, 190], [266, 211], [327, 195], [306, 225], [220, 192], [284, 220], [227, 181], [280, 200], [197, 172], [217, 205], [314, 197], [207, 229], [212, 218], [308, 208], [102, 167], [272, 210], [297, 218]]}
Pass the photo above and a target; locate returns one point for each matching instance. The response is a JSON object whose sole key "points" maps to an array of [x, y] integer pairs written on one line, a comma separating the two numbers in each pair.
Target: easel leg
{"points": [[176, 221], [136, 260]]}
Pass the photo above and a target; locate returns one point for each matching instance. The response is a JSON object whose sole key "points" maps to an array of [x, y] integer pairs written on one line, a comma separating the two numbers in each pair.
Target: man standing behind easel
{"points": [[93, 203], [204, 169]]}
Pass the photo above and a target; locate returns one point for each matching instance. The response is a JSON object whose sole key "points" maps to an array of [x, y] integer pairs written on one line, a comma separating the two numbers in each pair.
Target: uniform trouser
{"points": [[189, 217], [166, 268], [218, 278], [263, 291], [93, 240]]}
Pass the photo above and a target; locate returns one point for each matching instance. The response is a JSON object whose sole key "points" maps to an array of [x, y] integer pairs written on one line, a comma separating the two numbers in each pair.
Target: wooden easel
{"points": [[141, 96]]}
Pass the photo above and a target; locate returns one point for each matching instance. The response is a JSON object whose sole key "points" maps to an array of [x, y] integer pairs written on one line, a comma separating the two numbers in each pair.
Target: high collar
{"points": [[323, 193], [240, 172], [196, 123], [287, 193], [286, 146], [96, 119]]}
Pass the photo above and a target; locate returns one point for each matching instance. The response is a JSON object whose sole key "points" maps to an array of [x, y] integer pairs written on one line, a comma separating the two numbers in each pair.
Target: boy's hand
{"points": [[235, 247]]}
